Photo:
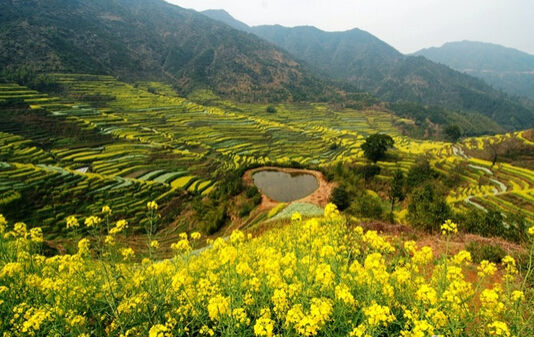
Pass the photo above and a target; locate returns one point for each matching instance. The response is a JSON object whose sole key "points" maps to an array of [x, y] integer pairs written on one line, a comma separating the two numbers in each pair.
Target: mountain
{"points": [[361, 59], [149, 40], [505, 68]]}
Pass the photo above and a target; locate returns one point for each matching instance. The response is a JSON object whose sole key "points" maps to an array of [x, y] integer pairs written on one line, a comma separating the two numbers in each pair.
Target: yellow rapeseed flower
{"points": [[72, 222], [83, 247], [486, 268], [3, 224], [264, 326], [106, 210], [152, 206], [295, 217], [159, 330], [498, 328], [330, 211], [427, 294], [119, 227], [378, 315], [127, 253], [218, 306], [92, 221], [36, 235], [449, 227]]}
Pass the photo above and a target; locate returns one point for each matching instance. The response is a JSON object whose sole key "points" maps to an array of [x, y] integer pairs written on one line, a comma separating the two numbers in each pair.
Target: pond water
{"points": [[285, 187]]}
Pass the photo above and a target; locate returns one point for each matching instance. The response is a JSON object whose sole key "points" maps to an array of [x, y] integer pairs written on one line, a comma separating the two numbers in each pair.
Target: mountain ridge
{"points": [[149, 40], [361, 59], [505, 68]]}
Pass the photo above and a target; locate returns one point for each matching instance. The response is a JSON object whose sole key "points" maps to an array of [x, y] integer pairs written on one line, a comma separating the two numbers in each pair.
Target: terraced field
{"points": [[128, 144]]}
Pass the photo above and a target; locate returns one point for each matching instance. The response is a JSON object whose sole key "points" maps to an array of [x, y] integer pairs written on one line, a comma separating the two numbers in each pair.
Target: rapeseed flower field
{"points": [[314, 277]]}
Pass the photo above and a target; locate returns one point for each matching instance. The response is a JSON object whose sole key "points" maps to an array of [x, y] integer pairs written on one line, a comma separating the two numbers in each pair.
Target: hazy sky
{"points": [[407, 25]]}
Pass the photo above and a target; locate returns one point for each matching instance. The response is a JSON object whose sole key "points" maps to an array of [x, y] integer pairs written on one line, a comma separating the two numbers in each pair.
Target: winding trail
{"points": [[501, 187]]}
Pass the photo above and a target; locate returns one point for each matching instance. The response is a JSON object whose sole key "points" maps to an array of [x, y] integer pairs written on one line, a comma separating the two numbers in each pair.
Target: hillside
{"points": [[361, 59], [505, 68], [149, 40]]}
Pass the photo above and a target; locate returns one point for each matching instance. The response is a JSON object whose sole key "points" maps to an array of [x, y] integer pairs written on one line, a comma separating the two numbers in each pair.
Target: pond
{"points": [[285, 187]]}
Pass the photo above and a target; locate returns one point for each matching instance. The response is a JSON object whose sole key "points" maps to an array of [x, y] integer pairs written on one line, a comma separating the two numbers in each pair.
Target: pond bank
{"points": [[319, 197]]}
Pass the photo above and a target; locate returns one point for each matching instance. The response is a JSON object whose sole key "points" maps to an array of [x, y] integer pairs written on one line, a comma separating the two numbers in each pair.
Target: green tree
{"points": [[340, 198], [453, 133], [427, 209], [396, 190], [376, 145], [271, 109], [368, 172]]}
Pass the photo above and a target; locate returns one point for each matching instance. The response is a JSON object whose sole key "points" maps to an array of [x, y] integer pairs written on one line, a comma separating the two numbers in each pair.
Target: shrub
{"points": [[340, 198], [367, 206], [270, 109], [368, 172], [427, 209], [485, 251]]}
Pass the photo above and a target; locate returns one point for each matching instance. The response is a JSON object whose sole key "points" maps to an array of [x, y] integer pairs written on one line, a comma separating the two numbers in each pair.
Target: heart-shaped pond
{"points": [[285, 187]]}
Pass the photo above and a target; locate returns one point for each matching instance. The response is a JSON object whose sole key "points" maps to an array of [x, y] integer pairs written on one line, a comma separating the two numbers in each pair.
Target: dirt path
{"points": [[320, 197]]}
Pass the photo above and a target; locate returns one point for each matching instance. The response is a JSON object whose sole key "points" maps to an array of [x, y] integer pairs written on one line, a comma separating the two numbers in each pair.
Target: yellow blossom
{"points": [[154, 244], [72, 222], [343, 294], [127, 253], [181, 246], [83, 247], [296, 217], [36, 235], [486, 268], [3, 224], [330, 211], [449, 227], [264, 326], [498, 328], [427, 294], [159, 330], [119, 227], [152, 206], [218, 306], [92, 221], [463, 257], [518, 295], [378, 315], [106, 210]]}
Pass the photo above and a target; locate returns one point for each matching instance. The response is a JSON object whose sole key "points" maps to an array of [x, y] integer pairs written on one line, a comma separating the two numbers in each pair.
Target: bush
{"points": [[367, 206], [245, 209], [485, 251], [251, 191], [214, 220], [420, 173], [270, 109], [427, 209], [340, 198], [368, 172], [492, 223]]}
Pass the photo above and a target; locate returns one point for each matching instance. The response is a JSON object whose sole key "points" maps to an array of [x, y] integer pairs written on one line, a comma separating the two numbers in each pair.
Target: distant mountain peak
{"points": [[225, 17]]}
